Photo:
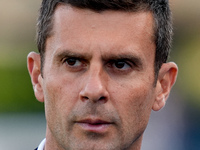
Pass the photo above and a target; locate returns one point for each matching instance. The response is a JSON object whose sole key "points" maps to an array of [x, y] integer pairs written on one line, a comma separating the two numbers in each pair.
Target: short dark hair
{"points": [[159, 8]]}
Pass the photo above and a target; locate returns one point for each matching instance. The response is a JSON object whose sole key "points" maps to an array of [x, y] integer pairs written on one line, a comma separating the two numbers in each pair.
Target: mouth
{"points": [[94, 125]]}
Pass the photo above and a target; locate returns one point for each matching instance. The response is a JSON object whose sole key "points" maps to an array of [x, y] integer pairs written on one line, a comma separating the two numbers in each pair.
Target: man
{"points": [[101, 70]]}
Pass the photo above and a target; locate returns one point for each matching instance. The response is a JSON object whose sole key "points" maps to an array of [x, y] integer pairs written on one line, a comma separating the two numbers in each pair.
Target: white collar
{"points": [[42, 144]]}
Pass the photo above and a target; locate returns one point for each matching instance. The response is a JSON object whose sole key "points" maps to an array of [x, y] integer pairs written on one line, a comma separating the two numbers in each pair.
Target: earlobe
{"points": [[33, 61], [166, 79], [159, 103]]}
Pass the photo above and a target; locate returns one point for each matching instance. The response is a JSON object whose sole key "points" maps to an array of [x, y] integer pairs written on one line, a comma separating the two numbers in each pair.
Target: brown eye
{"points": [[122, 65], [73, 62]]}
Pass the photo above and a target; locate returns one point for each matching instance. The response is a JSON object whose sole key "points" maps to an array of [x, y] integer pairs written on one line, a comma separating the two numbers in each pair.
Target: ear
{"points": [[166, 79], [33, 61]]}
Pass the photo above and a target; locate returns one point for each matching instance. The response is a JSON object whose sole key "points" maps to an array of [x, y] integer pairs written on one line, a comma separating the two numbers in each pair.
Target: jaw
{"points": [[94, 141]]}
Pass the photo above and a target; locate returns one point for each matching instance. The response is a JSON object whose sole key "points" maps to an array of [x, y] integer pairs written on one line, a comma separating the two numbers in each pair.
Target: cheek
{"points": [[60, 99], [59, 96], [51, 96], [134, 106]]}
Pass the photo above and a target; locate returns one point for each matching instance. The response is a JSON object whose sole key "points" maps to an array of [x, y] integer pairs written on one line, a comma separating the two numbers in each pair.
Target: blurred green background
{"points": [[186, 50], [17, 39]]}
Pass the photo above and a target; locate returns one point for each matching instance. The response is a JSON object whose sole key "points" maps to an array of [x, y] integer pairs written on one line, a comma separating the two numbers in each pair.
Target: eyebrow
{"points": [[133, 58], [69, 53]]}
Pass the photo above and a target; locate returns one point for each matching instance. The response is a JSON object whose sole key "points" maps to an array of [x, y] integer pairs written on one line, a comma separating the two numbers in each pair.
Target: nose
{"points": [[95, 89]]}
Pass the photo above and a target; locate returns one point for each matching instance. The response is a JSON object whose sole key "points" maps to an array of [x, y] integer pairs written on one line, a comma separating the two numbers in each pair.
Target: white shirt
{"points": [[42, 144]]}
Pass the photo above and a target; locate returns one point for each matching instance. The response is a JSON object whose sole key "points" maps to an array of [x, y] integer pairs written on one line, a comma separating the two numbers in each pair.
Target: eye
{"points": [[121, 65], [73, 62]]}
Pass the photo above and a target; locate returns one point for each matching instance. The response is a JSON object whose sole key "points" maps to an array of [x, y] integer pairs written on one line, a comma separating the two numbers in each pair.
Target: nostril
{"points": [[85, 97], [102, 98]]}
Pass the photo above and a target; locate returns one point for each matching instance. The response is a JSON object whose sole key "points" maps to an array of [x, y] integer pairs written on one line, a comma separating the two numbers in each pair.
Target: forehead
{"points": [[83, 29], [68, 18], [130, 19]]}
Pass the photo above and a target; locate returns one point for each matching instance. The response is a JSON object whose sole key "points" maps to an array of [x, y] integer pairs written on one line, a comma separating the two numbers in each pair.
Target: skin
{"points": [[98, 79]]}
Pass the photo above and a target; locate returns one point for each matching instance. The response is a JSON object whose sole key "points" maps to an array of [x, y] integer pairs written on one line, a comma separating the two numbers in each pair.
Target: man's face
{"points": [[98, 79]]}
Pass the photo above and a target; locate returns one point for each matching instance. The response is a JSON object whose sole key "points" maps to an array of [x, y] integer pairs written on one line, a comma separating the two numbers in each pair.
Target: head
{"points": [[101, 70], [160, 10]]}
